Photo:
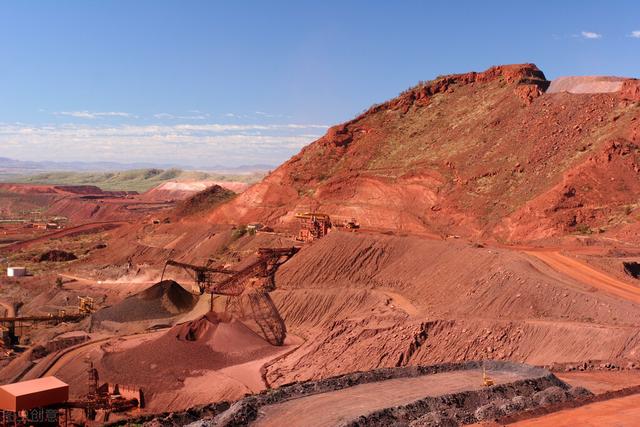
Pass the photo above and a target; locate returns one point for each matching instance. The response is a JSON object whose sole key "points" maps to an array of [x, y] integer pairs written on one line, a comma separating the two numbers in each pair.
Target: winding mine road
{"points": [[84, 228], [587, 275], [340, 406], [64, 356]]}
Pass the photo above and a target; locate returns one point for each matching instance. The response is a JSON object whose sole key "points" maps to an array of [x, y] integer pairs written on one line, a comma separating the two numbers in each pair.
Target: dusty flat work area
{"points": [[601, 381], [332, 408], [622, 412]]}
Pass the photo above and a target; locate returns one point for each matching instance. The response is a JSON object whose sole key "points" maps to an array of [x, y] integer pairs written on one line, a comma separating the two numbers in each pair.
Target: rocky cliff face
{"points": [[478, 154]]}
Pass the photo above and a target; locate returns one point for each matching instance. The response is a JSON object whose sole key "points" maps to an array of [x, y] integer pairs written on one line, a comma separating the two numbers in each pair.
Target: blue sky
{"points": [[241, 82]]}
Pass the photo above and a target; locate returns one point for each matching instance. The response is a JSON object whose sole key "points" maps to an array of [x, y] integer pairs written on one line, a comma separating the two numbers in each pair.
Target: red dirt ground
{"points": [[80, 204], [602, 381], [460, 302], [620, 412]]}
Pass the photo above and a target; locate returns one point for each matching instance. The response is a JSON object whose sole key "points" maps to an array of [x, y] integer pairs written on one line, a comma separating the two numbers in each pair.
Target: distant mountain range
{"points": [[20, 167]]}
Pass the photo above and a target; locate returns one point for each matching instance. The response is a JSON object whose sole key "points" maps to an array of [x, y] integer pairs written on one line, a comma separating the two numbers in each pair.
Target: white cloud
{"points": [[271, 115], [635, 34], [92, 114], [235, 116], [257, 115], [268, 115], [591, 35], [164, 116], [167, 116], [195, 144]]}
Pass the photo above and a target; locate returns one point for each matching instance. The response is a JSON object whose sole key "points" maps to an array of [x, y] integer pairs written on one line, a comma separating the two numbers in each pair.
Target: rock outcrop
{"points": [[464, 154]]}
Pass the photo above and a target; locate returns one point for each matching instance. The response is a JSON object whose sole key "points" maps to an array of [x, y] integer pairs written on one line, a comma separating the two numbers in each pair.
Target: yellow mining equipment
{"points": [[487, 381]]}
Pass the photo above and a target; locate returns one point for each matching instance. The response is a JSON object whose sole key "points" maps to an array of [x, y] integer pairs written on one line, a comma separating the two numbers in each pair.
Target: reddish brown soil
{"points": [[602, 381], [611, 262], [82, 209], [178, 357], [366, 300], [587, 275], [204, 200], [620, 412], [451, 278], [54, 189], [79, 204], [208, 342], [88, 228], [460, 302], [17, 199]]}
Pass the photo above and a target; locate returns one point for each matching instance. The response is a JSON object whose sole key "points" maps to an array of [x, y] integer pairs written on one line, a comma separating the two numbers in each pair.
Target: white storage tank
{"points": [[16, 271]]}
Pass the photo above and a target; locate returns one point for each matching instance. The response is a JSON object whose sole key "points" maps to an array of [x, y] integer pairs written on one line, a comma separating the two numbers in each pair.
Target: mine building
{"points": [[33, 402], [16, 271], [254, 226], [46, 225]]}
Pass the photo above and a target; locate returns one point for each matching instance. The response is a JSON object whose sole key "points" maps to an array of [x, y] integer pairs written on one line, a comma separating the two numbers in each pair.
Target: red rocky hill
{"points": [[478, 154]]}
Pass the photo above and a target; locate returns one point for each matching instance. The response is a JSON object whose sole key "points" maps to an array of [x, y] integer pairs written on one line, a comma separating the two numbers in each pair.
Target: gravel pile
{"points": [[162, 300], [187, 349]]}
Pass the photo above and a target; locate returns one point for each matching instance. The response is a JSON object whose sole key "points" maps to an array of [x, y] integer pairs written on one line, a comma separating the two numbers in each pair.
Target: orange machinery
{"points": [[313, 225]]}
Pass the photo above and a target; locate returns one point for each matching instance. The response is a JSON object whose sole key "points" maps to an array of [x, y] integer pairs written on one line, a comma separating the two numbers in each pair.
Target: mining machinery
{"points": [[313, 226], [85, 305], [251, 284], [99, 398], [16, 326], [204, 276], [351, 224], [259, 273], [487, 381]]}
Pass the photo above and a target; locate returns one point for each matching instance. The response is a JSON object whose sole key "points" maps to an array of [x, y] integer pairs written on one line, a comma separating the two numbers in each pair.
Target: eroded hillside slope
{"points": [[473, 154], [365, 301]]}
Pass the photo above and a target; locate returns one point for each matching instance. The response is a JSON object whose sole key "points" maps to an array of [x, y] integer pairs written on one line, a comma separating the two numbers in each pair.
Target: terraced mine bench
{"points": [[408, 394], [388, 396]]}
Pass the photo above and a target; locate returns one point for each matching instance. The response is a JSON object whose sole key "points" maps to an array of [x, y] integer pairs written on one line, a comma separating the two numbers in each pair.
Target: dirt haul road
{"points": [[92, 227], [587, 275], [338, 407], [69, 354]]}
